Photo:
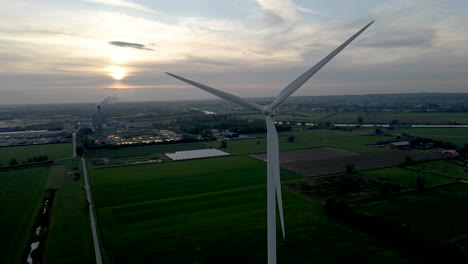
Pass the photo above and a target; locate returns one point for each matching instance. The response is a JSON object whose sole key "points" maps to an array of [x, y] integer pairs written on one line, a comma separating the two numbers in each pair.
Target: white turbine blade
{"points": [[273, 164], [223, 95], [292, 87]]}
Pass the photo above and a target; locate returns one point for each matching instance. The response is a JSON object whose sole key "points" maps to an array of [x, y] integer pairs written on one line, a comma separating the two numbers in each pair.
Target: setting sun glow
{"points": [[116, 72]]}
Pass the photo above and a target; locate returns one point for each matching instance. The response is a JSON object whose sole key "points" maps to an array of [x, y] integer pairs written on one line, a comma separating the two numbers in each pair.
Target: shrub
{"points": [[420, 182]]}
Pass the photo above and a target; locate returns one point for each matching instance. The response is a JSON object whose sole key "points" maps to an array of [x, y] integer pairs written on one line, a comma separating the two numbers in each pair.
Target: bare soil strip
{"points": [[321, 161]]}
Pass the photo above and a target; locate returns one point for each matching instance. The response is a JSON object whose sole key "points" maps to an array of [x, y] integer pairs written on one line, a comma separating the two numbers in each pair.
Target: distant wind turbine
{"points": [[273, 170]]}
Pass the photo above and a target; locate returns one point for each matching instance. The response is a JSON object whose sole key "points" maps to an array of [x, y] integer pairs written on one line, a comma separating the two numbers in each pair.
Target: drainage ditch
{"points": [[33, 253]]}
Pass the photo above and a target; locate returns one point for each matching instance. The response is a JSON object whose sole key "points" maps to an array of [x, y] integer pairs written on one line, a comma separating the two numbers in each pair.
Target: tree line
{"points": [[34, 159]]}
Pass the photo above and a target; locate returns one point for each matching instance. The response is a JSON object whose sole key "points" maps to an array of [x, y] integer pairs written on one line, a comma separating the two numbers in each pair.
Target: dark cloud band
{"points": [[129, 45]]}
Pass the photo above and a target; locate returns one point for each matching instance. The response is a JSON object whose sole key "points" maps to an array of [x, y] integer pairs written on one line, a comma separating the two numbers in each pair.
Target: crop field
{"points": [[296, 116], [406, 177], [369, 118], [190, 177], [319, 161], [156, 151], [69, 238], [347, 140], [445, 168], [21, 153], [457, 136], [412, 118], [437, 214], [21, 193], [214, 211]]}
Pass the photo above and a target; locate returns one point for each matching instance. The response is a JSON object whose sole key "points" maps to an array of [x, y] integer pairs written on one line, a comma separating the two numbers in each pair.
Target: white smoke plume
{"points": [[109, 99]]}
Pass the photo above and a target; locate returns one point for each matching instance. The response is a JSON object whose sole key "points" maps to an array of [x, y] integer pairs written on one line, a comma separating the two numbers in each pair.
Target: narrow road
{"points": [[74, 144], [97, 250]]}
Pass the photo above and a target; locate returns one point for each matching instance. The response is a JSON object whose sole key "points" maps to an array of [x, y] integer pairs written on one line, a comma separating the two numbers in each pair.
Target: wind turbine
{"points": [[273, 171]]}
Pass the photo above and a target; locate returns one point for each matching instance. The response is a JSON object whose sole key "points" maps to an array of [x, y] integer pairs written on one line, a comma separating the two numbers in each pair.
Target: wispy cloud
{"points": [[308, 10], [126, 4], [124, 44], [279, 12]]}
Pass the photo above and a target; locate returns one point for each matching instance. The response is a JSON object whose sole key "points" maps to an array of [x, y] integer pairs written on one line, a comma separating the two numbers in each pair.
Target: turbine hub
{"points": [[267, 110]]}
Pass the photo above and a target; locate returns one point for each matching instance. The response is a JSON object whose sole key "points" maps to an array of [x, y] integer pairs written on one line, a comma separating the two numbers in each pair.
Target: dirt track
{"points": [[320, 161]]}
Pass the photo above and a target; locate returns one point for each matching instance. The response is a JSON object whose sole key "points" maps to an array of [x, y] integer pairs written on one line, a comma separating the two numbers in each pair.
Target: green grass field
{"points": [[457, 136], [348, 140], [21, 194], [21, 153], [368, 118], [412, 118], [180, 178], [406, 177], [312, 117], [444, 168], [214, 211], [69, 237], [146, 151], [435, 215]]}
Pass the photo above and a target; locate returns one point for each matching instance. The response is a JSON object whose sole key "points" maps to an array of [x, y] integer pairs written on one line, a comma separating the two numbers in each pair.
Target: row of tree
{"points": [[33, 159], [26, 165]]}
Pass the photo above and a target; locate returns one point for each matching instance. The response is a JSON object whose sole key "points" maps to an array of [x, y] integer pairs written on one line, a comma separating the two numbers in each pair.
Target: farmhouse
{"points": [[399, 145], [450, 152], [228, 134]]}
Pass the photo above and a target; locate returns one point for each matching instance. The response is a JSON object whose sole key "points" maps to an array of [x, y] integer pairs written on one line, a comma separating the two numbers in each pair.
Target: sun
{"points": [[117, 73]]}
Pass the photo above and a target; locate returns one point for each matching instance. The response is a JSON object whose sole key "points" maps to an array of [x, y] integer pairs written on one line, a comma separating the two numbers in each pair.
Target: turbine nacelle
{"points": [[269, 111]]}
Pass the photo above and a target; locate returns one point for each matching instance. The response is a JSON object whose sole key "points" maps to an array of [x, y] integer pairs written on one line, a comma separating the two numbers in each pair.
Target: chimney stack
{"points": [[99, 118]]}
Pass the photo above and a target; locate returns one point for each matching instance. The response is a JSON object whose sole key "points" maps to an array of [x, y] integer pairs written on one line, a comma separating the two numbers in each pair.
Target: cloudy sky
{"points": [[57, 51]]}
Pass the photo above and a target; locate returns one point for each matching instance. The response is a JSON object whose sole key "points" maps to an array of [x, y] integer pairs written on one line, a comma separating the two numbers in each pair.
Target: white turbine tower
{"points": [[273, 172]]}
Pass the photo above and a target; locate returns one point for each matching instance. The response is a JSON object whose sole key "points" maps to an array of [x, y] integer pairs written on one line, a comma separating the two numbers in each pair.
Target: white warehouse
{"points": [[196, 154]]}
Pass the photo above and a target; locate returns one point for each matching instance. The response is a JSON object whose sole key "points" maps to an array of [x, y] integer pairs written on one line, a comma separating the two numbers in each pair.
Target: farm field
{"points": [[296, 116], [444, 168], [369, 118], [190, 177], [457, 136], [320, 161], [21, 153], [21, 193], [412, 118], [406, 177], [347, 140], [213, 211], [148, 152], [69, 237], [446, 207]]}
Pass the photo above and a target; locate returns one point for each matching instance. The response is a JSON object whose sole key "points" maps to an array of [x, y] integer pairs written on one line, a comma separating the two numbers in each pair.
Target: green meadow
{"points": [[214, 211], [406, 177], [368, 117], [445, 168], [297, 116], [437, 214], [69, 238], [348, 140], [179, 178], [155, 151], [21, 193], [457, 136], [22, 153]]}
